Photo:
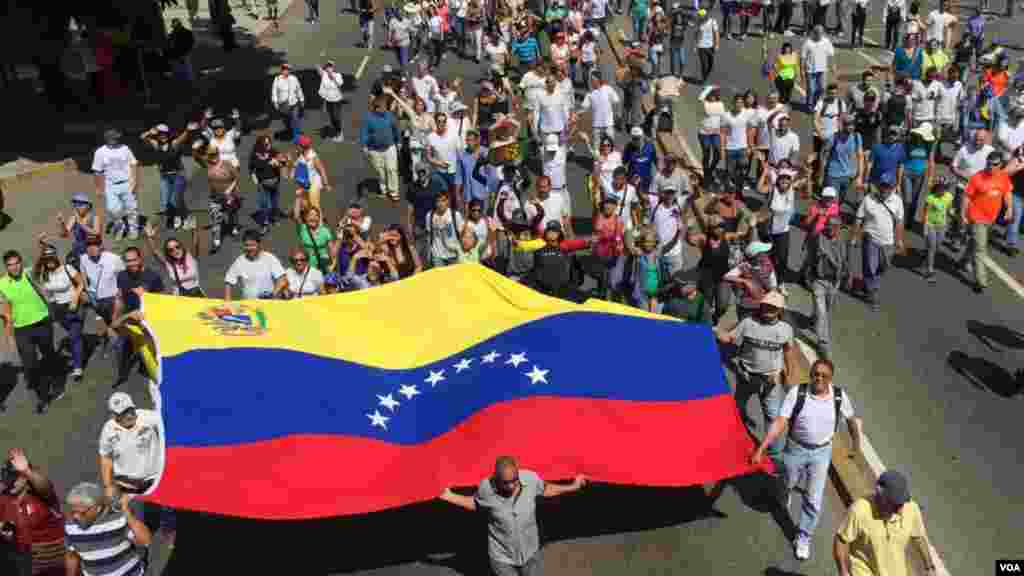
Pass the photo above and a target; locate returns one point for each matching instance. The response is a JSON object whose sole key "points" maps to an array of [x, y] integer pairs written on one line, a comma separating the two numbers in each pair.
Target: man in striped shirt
{"points": [[103, 539]]}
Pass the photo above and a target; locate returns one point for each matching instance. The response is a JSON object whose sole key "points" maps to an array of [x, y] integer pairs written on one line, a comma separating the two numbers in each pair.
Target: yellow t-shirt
{"points": [[785, 66], [879, 547], [938, 60]]}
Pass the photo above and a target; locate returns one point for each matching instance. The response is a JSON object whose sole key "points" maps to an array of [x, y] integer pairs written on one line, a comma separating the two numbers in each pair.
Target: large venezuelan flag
{"points": [[355, 403]]}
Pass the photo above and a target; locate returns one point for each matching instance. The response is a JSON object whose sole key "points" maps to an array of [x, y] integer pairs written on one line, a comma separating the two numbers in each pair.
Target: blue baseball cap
{"points": [[80, 198], [888, 179]]}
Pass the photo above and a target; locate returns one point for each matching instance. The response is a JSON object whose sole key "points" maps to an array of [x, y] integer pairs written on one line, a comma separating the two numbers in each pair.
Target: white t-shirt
{"points": [[924, 98], [816, 55], [136, 452], [878, 218], [445, 147], [783, 147], [58, 285], [624, 200], [228, 146], [588, 52], [444, 234], [425, 88], [971, 162], [948, 106], [736, 130], [114, 163], [532, 86], [555, 208], [100, 277], [601, 102], [783, 203], [937, 24], [186, 275], [816, 422], [830, 115], [554, 168], [607, 167], [553, 111], [307, 283], [598, 8], [257, 276], [666, 220], [706, 33], [286, 92], [1011, 138], [711, 123], [435, 26]]}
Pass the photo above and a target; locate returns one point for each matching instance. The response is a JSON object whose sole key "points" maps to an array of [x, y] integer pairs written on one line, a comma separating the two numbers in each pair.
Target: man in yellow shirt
{"points": [[874, 537], [934, 56]]}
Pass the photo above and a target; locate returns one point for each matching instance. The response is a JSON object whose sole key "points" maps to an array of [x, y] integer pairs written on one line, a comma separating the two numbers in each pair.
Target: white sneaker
{"points": [[177, 222], [802, 549], [338, 139], [788, 34]]}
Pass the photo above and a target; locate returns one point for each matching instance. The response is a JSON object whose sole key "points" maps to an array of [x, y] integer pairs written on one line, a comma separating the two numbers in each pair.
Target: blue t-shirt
{"points": [[917, 158], [526, 50], [843, 161], [885, 159], [908, 62], [641, 162]]}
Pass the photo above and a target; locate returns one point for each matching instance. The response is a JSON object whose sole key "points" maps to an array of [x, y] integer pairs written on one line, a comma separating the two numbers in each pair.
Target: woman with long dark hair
{"points": [[182, 265], [266, 166], [402, 252]]}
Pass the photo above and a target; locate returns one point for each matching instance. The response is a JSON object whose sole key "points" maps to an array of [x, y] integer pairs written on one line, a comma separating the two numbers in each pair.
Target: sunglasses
{"points": [[297, 260], [173, 247]]}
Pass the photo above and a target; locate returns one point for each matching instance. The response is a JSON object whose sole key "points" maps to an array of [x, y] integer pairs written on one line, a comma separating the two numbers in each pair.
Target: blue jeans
{"points": [[403, 56], [841, 184], [267, 194], [737, 165], [875, 259], [72, 323], [639, 26], [811, 466], [170, 185], [460, 32], [711, 153], [815, 88], [677, 59], [655, 62], [293, 122], [1013, 230]]}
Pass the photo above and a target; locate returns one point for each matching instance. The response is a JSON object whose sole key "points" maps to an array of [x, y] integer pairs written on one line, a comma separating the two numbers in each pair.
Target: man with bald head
{"points": [[509, 497]]}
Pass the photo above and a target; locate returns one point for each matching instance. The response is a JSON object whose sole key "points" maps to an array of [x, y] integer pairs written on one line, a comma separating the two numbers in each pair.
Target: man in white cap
{"points": [[554, 168], [116, 174], [766, 358], [131, 454]]}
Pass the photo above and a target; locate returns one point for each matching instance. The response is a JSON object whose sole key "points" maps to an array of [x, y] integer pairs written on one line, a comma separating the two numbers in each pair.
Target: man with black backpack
{"points": [[677, 40], [810, 413]]}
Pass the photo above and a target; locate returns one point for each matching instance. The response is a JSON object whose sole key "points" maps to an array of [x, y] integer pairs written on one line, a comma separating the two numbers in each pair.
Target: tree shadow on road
{"points": [[995, 337], [239, 79], [432, 533], [986, 375]]}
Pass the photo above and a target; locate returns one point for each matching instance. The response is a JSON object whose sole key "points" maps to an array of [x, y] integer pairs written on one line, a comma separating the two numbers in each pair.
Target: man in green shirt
{"points": [[684, 301], [27, 322]]}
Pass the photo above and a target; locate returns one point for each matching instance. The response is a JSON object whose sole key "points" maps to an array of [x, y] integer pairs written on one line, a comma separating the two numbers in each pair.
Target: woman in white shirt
{"points": [[710, 134], [226, 141], [331, 82], [181, 266], [421, 123], [780, 187], [608, 159], [62, 287], [303, 279]]}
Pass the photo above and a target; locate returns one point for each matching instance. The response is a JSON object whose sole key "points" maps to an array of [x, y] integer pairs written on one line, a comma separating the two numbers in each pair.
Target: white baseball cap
{"points": [[163, 128], [636, 131], [829, 192], [119, 402], [551, 142]]}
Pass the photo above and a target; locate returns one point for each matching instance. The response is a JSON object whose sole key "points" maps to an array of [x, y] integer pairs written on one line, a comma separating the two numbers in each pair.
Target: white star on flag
{"points": [[490, 358], [378, 419], [516, 359], [435, 377], [388, 402], [463, 365], [408, 391], [538, 375]]}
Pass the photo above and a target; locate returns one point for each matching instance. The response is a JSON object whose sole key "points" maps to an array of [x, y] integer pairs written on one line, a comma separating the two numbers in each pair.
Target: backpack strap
{"points": [[837, 396], [801, 397]]}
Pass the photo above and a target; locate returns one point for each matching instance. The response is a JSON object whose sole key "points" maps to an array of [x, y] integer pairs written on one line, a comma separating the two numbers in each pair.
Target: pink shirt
{"points": [[820, 219]]}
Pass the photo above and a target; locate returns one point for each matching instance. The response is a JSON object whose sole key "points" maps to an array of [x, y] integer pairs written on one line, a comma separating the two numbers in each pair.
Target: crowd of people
{"points": [[484, 179]]}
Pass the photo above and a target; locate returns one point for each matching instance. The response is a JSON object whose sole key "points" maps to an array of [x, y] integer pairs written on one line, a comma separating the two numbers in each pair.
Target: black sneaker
{"points": [[42, 407], [978, 289], [930, 277], [1012, 251]]}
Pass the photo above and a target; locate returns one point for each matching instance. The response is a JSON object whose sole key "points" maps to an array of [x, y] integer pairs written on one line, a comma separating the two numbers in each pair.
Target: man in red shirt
{"points": [[987, 193], [31, 524]]}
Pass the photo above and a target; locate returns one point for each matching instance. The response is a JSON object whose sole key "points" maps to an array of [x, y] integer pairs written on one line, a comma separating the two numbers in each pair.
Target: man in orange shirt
{"points": [[987, 193]]}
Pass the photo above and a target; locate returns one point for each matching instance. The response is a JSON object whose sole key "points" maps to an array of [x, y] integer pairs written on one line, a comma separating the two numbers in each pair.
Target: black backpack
{"points": [[801, 397], [552, 271], [896, 110], [679, 25]]}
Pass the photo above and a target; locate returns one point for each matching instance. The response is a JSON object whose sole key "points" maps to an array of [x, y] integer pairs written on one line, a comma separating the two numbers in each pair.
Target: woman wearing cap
{"points": [[753, 278], [82, 223], [172, 170], [309, 173], [226, 141], [919, 168], [182, 265], [62, 287], [781, 209]]}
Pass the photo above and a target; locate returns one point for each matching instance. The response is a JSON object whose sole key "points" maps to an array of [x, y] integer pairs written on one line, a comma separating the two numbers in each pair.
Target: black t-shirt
{"points": [[169, 158], [680, 23], [421, 198], [868, 125], [146, 279]]}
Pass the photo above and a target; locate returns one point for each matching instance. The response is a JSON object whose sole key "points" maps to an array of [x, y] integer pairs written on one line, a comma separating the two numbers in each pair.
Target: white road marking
{"points": [[871, 59], [872, 458], [1003, 275], [362, 67]]}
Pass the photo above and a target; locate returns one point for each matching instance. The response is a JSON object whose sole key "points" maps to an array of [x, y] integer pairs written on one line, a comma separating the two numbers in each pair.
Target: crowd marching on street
{"points": [[932, 146]]}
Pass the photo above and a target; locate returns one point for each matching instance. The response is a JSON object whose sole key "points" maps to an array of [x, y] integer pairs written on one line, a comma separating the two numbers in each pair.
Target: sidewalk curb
{"points": [[37, 170], [853, 473]]}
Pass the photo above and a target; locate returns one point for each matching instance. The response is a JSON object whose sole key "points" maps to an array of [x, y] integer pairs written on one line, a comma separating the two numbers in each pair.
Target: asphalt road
{"points": [[956, 440]]}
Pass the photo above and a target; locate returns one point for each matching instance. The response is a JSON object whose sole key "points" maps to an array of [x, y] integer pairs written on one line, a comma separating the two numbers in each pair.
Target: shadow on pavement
{"points": [[772, 571], [996, 338], [433, 533], [239, 79], [986, 375]]}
